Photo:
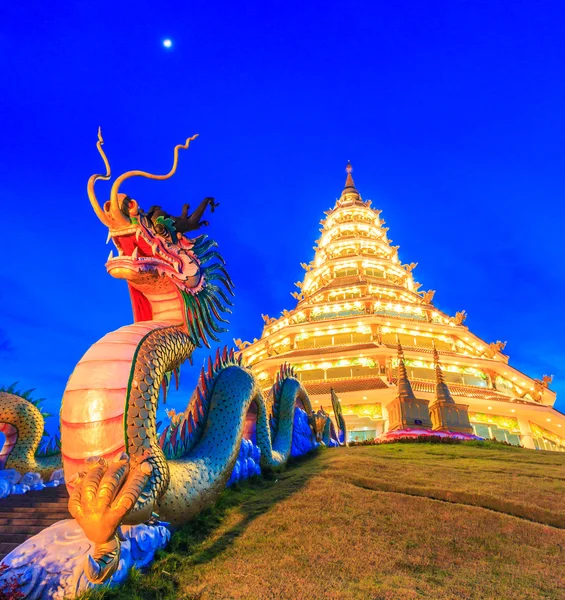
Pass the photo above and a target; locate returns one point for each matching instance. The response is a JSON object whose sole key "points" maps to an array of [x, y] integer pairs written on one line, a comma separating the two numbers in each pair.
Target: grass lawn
{"points": [[380, 522]]}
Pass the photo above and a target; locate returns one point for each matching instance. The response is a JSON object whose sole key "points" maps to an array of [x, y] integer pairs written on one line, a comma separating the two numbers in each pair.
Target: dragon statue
{"points": [[22, 423], [116, 469]]}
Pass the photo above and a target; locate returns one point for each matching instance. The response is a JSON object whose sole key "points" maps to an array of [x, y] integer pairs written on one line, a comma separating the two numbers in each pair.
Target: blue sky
{"points": [[451, 113]]}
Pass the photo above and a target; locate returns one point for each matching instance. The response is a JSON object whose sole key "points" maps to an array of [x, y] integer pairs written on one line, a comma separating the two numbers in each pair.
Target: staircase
{"points": [[22, 516]]}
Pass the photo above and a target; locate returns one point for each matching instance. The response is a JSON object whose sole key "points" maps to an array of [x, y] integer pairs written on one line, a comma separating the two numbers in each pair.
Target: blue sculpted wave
{"points": [[51, 563], [247, 463], [303, 440]]}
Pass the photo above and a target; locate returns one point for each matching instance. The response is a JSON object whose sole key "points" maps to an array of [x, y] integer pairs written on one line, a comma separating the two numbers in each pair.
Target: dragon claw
{"points": [[92, 569], [122, 457], [103, 563], [100, 500]]}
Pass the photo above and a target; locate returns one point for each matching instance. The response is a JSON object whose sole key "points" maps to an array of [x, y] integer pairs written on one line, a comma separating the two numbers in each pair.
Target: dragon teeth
{"points": [[111, 255], [109, 237], [135, 253]]}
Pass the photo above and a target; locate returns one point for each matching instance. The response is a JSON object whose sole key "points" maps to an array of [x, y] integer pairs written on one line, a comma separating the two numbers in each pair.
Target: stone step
{"points": [[7, 547], [19, 520], [12, 532], [33, 504], [32, 498], [24, 515], [14, 538]]}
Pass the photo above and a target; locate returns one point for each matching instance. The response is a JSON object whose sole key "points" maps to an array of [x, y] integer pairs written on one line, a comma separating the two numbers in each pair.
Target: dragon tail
{"points": [[340, 421]]}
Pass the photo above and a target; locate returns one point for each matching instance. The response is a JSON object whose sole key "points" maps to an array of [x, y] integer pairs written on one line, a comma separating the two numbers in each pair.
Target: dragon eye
{"points": [[164, 227]]}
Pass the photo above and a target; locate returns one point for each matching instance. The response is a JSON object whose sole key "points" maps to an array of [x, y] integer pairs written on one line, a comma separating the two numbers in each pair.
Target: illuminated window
{"points": [[341, 338], [342, 312], [358, 337], [364, 371], [361, 436], [504, 385], [476, 380], [389, 311], [323, 340], [389, 338], [374, 272], [313, 374], [305, 343], [344, 294], [426, 371], [338, 373], [493, 432], [346, 272]]}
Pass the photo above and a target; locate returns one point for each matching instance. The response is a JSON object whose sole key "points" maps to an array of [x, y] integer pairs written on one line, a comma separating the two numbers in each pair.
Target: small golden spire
{"points": [[404, 387], [349, 183], [442, 390]]}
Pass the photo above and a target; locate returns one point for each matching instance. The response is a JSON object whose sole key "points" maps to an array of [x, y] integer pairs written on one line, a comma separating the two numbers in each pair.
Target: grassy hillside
{"points": [[394, 521]]}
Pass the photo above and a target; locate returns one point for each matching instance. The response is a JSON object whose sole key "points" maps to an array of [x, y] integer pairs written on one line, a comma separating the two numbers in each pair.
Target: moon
{"points": [[167, 43]]}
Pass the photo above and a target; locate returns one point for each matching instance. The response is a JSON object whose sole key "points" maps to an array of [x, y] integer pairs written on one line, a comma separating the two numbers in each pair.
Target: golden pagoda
{"points": [[362, 327]]}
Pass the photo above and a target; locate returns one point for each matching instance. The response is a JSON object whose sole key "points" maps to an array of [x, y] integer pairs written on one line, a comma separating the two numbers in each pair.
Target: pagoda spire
{"points": [[404, 387], [349, 183], [442, 390]]}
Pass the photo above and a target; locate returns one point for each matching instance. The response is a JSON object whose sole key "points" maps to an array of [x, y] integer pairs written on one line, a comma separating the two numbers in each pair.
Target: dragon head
{"points": [[168, 274]]}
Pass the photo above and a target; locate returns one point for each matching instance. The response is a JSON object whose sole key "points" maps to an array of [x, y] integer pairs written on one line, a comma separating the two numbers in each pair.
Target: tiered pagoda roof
{"points": [[357, 301]]}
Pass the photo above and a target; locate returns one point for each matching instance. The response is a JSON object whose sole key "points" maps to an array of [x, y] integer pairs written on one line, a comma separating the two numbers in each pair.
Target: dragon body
{"points": [[22, 423], [116, 469]]}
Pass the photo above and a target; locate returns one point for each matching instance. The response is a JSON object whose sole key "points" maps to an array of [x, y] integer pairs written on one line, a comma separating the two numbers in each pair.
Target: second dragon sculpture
{"points": [[22, 424], [116, 470]]}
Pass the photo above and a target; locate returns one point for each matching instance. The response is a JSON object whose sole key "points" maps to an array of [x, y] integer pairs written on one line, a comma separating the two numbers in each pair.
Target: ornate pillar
{"points": [[382, 366], [526, 436], [292, 339]]}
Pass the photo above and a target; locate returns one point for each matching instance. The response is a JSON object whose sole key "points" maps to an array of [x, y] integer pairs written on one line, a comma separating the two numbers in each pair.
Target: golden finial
{"points": [[349, 183]]}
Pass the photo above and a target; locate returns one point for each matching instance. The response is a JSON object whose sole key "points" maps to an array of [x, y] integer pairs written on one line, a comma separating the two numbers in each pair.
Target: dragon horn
{"points": [[94, 178], [115, 207]]}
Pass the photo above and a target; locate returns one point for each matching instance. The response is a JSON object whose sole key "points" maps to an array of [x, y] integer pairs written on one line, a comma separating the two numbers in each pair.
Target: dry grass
{"points": [[395, 521]]}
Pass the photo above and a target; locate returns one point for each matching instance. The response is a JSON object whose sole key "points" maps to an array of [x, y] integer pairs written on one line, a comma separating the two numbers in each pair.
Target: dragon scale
{"points": [[22, 425]]}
